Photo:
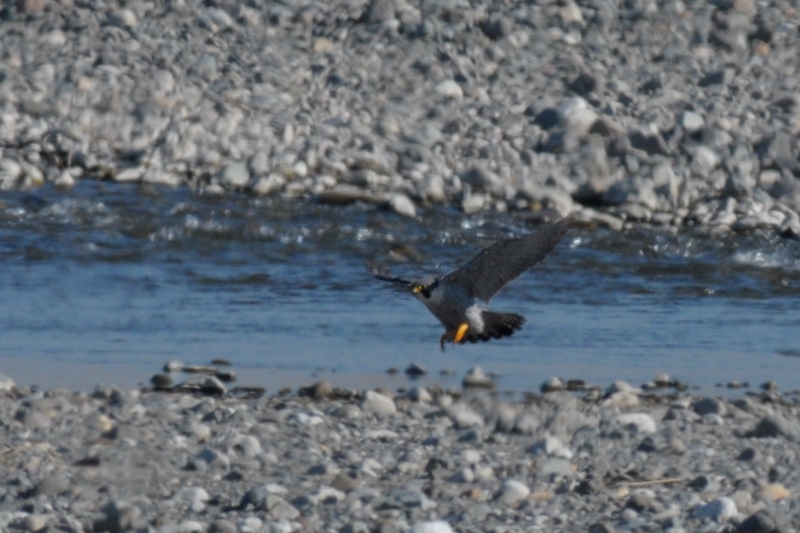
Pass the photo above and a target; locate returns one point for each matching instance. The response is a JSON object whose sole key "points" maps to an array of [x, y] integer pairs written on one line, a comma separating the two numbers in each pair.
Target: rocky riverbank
{"points": [[431, 461], [672, 113]]}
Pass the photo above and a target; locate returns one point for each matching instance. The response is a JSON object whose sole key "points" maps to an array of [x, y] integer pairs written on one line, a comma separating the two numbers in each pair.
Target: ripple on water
{"points": [[281, 289]]}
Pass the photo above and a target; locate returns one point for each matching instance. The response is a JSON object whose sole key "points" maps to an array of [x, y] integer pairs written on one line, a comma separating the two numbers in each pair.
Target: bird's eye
{"points": [[418, 289]]}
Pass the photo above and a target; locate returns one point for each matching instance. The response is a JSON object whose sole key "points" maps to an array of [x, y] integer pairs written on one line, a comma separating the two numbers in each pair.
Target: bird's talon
{"points": [[443, 339]]}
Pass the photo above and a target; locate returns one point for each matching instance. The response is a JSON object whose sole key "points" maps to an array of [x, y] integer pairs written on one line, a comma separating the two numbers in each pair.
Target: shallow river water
{"points": [[106, 283]]}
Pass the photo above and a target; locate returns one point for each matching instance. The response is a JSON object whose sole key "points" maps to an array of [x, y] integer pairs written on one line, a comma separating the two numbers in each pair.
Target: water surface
{"points": [[106, 283]]}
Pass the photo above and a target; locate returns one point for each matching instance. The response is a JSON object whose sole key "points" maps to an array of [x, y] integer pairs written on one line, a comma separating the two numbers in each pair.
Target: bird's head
{"points": [[423, 289]]}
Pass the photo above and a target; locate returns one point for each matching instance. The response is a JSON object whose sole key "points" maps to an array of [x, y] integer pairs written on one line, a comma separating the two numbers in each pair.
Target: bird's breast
{"points": [[475, 318]]}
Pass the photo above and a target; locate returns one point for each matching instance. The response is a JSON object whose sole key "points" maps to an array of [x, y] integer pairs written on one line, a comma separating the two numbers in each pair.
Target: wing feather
{"points": [[382, 272], [505, 260]]}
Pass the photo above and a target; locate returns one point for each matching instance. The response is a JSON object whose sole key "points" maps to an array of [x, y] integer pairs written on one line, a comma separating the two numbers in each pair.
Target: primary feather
{"points": [[507, 259]]}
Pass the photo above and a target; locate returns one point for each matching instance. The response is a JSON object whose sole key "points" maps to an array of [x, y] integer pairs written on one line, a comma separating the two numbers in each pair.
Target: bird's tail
{"points": [[496, 326]]}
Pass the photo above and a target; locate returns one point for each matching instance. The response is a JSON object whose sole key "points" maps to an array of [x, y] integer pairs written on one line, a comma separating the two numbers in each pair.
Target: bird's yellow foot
{"points": [[456, 337], [462, 331]]}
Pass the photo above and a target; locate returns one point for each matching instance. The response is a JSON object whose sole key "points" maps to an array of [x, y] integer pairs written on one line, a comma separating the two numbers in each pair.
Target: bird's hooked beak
{"points": [[424, 288]]}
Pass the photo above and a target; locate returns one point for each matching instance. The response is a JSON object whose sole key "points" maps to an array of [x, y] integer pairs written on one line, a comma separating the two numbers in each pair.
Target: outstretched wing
{"points": [[506, 259], [382, 272]]}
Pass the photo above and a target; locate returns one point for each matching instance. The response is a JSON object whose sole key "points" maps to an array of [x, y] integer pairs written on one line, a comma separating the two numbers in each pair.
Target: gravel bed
{"points": [[681, 113], [425, 461]]}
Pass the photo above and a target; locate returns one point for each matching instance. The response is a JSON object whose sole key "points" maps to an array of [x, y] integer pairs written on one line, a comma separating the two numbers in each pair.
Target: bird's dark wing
{"points": [[506, 259], [382, 272]]}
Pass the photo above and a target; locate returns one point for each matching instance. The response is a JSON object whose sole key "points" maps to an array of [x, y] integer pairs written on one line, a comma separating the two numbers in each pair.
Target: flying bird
{"points": [[454, 298]]}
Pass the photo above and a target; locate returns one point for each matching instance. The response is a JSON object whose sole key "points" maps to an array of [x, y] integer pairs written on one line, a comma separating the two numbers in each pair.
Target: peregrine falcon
{"points": [[453, 298]]}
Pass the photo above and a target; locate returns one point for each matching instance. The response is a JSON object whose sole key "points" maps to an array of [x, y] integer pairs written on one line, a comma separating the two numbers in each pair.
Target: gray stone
{"points": [[741, 182], [506, 417], [775, 151], [222, 526], [748, 454], [665, 182], [547, 197], [6, 383], [209, 458], [634, 211], [161, 381], [212, 386], [480, 178], [464, 416], [123, 18], [255, 497], [472, 202], [379, 11], [192, 498], [30, 7], [632, 190], [643, 502], [720, 509], [552, 384], [32, 418], [378, 404], [218, 19], [450, 89], [705, 406], [348, 412], [512, 492], [174, 366], [280, 509], [438, 526], [754, 221], [191, 526], [320, 389], [691, 121], [402, 205], [268, 184], [704, 161], [650, 142], [663, 380], [621, 386], [477, 378], [641, 423], [718, 77], [704, 484], [760, 522], [407, 498], [356, 526], [601, 527], [235, 175], [775, 426], [52, 485], [426, 137], [119, 515], [344, 482], [324, 495], [555, 468], [576, 116], [10, 172], [35, 523], [419, 394], [585, 83], [498, 27], [205, 67], [551, 446]]}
